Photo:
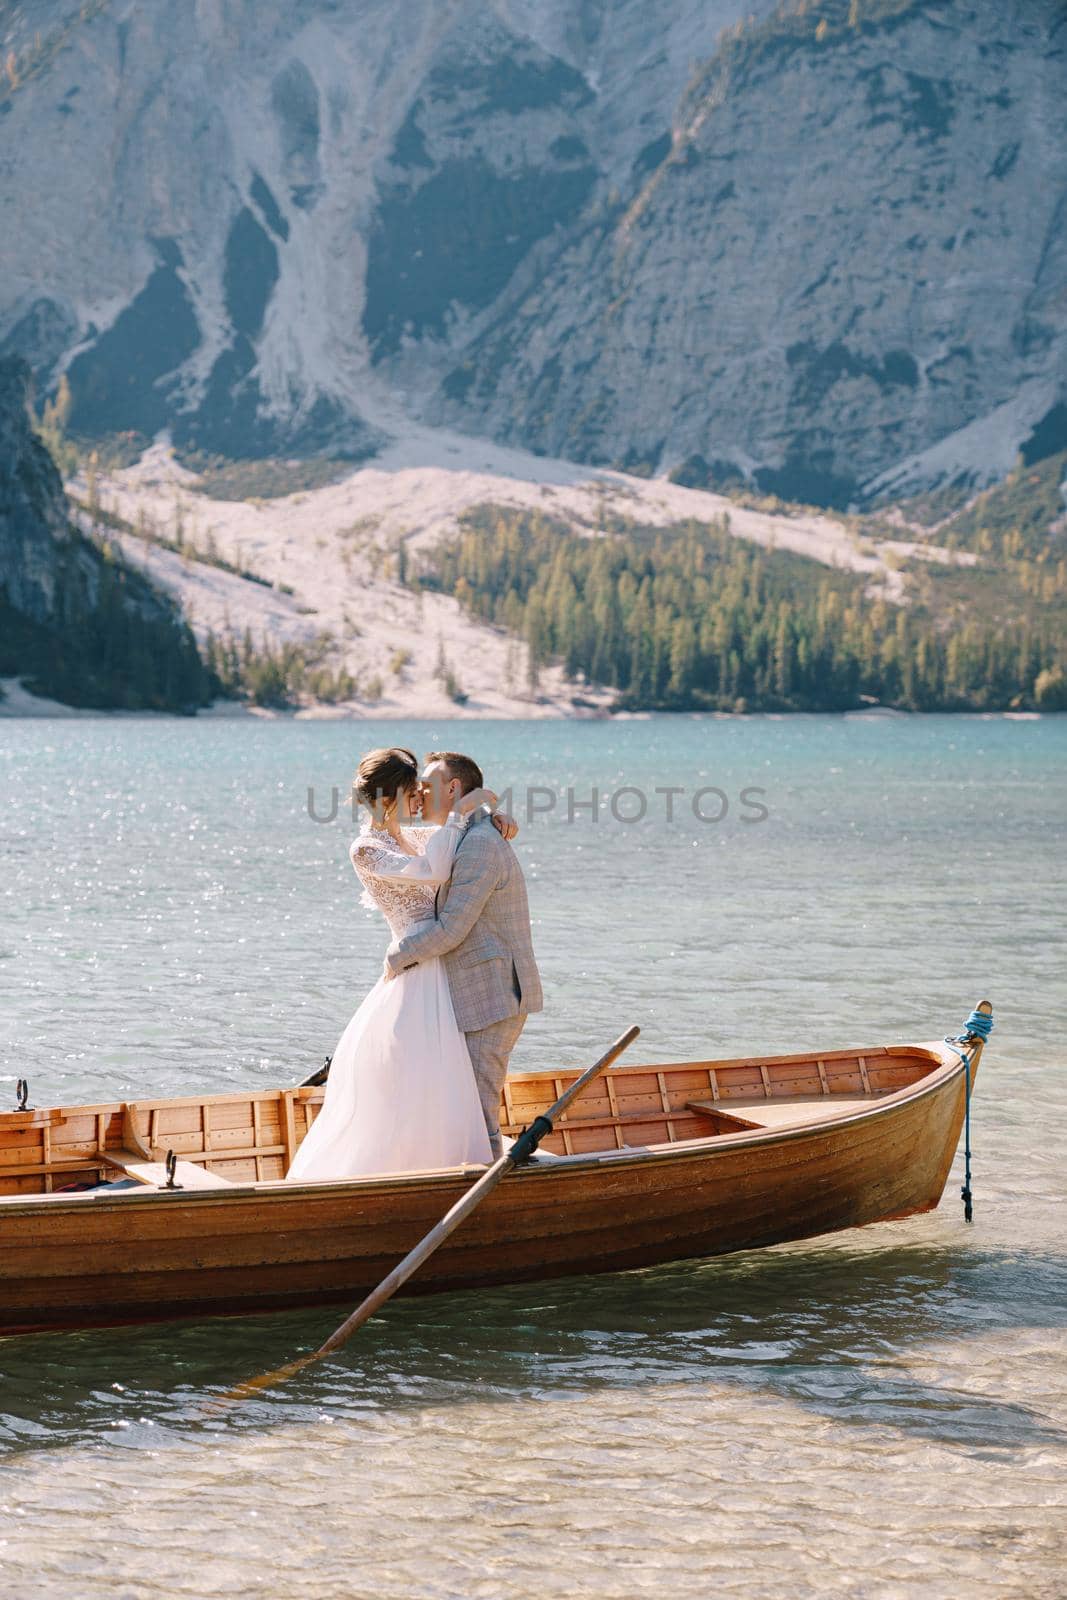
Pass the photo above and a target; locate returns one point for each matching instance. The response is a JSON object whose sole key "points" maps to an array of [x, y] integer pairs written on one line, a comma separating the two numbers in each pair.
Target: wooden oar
{"points": [[520, 1151], [318, 1077]]}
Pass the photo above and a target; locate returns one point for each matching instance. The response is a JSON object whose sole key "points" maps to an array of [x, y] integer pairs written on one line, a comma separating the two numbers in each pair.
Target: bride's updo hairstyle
{"points": [[382, 774]]}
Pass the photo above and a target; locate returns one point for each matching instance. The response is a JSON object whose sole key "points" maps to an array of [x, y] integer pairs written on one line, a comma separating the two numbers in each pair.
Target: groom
{"points": [[482, 929]]}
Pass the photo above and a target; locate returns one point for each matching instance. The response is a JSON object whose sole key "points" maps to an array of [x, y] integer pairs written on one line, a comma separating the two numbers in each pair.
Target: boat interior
{"points": [[212, 1141]]}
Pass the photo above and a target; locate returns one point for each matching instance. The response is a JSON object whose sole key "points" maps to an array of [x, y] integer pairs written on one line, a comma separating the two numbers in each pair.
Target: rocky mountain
{"points": [[855, 245], [74, 618], [821, 246]]}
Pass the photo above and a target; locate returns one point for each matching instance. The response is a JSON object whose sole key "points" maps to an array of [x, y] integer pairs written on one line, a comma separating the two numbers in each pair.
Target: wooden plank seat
{"points": [[783, 1111], [187, 1175]]}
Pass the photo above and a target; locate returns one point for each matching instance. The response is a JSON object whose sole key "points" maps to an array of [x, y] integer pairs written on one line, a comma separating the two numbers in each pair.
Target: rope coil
{"points": [[979, 1025]]}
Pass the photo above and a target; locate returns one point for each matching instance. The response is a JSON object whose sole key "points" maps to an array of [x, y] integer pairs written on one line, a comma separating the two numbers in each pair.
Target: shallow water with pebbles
{"points": [[879, 1414]]}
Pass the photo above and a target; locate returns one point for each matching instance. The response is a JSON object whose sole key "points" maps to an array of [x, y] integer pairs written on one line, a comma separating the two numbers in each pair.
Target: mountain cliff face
{"points": [[809, 250], [83, 626], [35, 531], [856, 244]]}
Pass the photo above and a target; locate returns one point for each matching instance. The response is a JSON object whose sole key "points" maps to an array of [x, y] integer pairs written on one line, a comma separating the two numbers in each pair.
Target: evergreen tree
{"points": [[694, 617]]}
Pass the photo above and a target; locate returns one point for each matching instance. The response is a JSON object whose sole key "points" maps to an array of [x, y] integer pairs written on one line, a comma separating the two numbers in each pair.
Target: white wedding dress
{"points": [[401, 1095]]}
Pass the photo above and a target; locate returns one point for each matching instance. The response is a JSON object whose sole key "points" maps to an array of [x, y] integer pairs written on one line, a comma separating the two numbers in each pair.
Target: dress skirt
{"points": [[401, 1095]]}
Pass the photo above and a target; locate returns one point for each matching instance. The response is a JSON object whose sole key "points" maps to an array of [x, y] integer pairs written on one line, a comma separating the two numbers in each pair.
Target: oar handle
{"points": [[520, 1150]]}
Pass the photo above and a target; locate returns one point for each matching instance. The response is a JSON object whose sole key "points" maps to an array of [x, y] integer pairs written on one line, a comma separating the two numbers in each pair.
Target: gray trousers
{"points": [[490, 1050]]}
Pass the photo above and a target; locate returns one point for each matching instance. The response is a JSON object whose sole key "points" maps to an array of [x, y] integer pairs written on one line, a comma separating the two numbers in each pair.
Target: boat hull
{"points": [[77, 1261]]}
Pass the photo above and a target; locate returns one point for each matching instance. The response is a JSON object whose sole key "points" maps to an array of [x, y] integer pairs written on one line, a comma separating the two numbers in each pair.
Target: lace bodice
{"points": [[402, 887]]}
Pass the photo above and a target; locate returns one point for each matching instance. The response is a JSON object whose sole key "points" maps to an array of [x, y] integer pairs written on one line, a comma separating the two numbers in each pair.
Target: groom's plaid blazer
{"points": [[482, 929]]}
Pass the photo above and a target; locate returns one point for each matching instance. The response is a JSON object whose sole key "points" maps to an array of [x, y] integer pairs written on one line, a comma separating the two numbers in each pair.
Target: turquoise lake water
{"points": [[879, 1413]]}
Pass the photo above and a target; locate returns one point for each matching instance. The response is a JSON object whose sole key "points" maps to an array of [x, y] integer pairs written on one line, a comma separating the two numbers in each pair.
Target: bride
{"points": [[401, 1095]]}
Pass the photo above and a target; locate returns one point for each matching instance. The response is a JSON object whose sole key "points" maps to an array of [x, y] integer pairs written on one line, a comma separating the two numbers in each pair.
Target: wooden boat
{"points": [[653, 1164]]}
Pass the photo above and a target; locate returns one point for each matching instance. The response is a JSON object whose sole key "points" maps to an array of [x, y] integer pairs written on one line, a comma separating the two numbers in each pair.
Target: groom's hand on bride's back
{"points": [[387, 970]]}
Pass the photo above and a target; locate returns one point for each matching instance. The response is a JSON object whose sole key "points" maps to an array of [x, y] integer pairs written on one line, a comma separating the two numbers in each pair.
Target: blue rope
{"points": [[965, 1192], [978, 1025]]}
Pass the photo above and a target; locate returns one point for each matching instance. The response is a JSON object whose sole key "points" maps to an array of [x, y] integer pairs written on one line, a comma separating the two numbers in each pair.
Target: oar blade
{"points": [[251, 1387]]}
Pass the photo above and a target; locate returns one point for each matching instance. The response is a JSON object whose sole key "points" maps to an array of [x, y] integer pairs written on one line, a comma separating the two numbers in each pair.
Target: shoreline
{"points": [[20, 704]]}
